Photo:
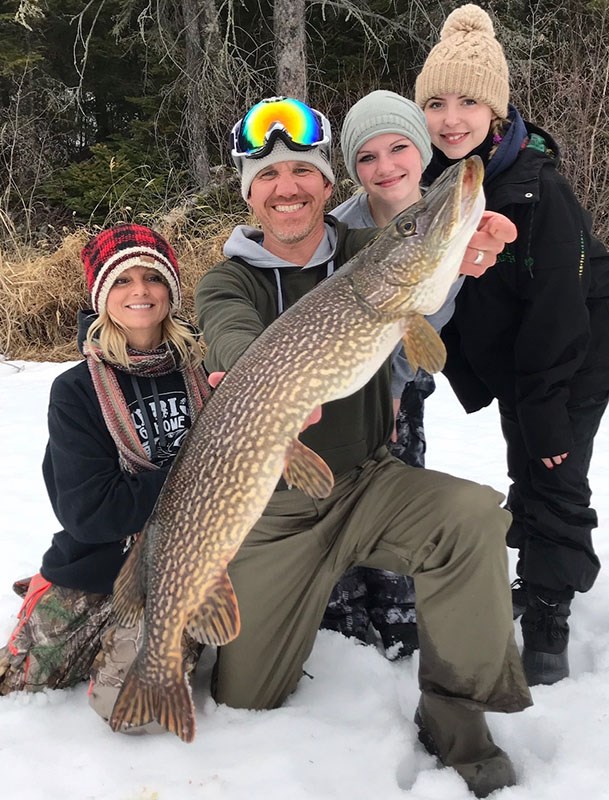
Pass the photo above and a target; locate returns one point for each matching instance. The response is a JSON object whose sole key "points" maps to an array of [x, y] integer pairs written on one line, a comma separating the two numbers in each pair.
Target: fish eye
{"points": [[406, 226]]}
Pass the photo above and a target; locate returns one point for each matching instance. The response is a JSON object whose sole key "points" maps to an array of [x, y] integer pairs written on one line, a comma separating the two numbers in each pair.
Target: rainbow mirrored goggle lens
{"points": [[299, 126]]}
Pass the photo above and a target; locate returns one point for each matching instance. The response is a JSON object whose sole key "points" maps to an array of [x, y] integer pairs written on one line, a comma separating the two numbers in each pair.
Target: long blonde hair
{"points": [[111, 337]]}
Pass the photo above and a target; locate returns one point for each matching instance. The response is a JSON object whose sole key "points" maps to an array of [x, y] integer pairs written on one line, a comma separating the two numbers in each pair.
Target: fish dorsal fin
{"points": [[216, 621], [307, 471], [422, 345], [129, 594]]}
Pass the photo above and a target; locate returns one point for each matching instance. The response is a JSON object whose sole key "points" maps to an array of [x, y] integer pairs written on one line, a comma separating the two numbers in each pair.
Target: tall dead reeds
{"points": [[41, 291]]}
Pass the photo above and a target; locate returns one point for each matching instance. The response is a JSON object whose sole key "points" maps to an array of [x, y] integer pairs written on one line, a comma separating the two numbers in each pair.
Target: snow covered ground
{"points": [[347, 733]]}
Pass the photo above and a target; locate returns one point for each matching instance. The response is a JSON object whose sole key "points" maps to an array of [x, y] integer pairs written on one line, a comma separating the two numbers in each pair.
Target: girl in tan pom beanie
{"points": [[467, 68], [528, 332], [469, 60]]}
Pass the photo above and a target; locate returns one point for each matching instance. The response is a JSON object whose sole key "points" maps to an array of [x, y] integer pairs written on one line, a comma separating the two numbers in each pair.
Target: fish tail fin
{"points": [[139, 703], [176, 711]]}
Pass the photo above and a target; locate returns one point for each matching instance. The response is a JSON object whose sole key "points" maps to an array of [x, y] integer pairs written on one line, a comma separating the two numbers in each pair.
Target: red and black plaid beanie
{"points": [[116, 249]]}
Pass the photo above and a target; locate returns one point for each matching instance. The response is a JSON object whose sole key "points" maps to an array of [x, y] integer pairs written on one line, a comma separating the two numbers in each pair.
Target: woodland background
{"points": [[119, 110]]}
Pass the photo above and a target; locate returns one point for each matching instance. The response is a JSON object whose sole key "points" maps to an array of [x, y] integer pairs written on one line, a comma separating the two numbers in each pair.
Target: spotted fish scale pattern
{"points": [[326, 346]]}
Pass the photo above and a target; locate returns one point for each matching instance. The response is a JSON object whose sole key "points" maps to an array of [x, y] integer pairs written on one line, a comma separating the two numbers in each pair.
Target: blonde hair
{"points": [[111, 337], [499, 126]]}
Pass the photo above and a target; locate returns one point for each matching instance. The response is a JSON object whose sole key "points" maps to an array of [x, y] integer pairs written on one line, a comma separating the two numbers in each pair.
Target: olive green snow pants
{"points": [[446, 532]]}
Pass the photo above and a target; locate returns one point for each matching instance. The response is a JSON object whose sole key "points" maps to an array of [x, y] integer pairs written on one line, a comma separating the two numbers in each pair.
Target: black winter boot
{"points": [[461, 739], [519, 597], [545, 632]]}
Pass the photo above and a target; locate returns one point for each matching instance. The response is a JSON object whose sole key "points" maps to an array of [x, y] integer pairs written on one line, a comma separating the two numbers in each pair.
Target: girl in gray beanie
{"points": [[386, 147]]}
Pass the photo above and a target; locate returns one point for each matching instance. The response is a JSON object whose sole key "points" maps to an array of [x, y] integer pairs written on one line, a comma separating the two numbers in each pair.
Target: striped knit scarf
{"points": [[131, 454]]}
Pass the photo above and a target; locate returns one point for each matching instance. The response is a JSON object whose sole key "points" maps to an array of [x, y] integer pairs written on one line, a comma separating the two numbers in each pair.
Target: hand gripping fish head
{"points": [[416, 258]]}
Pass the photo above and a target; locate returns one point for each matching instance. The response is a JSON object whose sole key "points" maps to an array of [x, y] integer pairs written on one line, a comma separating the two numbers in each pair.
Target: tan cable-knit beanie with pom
{"points": [[468, 60]]}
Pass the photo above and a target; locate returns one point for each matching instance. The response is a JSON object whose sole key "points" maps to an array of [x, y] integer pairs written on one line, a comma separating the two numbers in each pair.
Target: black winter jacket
{"points": [[97, 503], [533, 331]]}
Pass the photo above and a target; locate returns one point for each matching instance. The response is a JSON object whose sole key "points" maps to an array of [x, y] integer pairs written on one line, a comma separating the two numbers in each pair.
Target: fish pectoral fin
{"points": [[216, 621], [422, 345], [307, 471], [129, 595]]}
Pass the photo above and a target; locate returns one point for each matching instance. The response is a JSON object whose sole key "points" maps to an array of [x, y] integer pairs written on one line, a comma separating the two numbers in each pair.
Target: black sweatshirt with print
{"points": [[98, 504]]}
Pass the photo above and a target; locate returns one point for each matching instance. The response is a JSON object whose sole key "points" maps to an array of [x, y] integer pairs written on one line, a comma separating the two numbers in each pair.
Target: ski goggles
{"points": [[297, 125]]}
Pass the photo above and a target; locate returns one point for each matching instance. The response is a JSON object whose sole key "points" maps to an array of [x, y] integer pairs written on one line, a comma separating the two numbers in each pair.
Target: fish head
{"points": [[411, 264]]}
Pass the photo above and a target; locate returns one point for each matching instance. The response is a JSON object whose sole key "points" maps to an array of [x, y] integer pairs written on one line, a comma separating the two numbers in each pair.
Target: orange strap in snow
{"points": [[37, 588]]}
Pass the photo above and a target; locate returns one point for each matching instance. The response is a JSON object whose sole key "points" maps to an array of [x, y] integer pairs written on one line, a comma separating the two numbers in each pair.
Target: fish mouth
{"points": [[454, 199], [449, 211]]}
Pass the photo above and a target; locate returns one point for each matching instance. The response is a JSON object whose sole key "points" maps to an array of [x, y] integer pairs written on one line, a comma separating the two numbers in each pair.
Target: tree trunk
{"points": [[290, 48], [192, 11]]}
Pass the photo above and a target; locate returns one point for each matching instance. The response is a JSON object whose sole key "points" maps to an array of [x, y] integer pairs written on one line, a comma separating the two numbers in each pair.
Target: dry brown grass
{"points": [[41, 292]]}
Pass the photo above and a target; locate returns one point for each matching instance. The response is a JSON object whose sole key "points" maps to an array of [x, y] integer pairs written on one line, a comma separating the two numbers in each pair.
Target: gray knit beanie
{"points": [[250, 167], [383, 112], [468, 60]]}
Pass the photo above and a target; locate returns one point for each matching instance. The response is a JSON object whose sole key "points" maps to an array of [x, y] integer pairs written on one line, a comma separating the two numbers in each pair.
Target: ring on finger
{"points": [[479, 257]]}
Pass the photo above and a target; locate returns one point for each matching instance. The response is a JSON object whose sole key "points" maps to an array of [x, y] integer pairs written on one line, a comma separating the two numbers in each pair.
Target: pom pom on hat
{"points": [[383, 112], [116, 249], [468, 60]]}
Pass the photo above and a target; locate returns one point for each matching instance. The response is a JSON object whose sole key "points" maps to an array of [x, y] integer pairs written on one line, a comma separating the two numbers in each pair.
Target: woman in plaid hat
{"points": [[533, 332], [116, 423]]}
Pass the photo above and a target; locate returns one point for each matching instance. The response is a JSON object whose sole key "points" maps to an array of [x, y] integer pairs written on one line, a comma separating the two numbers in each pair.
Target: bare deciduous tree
{"points": [[195, 42], [560, 81], [290, 48]]}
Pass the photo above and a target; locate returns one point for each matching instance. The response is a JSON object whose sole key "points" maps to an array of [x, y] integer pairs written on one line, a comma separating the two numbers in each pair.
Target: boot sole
{"points": [[470, 773], [425, 736]]}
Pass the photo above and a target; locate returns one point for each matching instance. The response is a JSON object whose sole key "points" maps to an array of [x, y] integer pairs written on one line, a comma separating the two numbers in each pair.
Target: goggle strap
{"points": [[285, 137]]}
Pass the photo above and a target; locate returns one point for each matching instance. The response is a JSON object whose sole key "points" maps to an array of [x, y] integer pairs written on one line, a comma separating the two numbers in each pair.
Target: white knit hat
{"points": [[250, 167]]}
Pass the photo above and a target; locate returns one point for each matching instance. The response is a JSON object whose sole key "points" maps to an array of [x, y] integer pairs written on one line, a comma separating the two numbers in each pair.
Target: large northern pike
{"points": [[326, 346]]}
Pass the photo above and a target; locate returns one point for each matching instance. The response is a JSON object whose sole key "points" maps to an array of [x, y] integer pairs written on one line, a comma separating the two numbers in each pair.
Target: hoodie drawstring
{"points": [[277, 273]]}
